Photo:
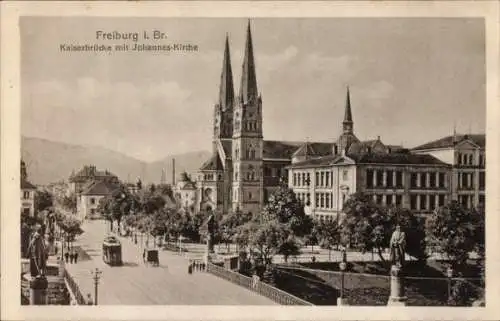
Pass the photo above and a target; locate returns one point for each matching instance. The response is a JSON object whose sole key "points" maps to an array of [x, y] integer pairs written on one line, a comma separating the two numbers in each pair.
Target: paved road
{"points": [[137, 284]]}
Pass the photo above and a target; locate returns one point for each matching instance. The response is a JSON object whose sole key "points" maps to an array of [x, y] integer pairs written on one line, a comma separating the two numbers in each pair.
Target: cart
{"points": [[151, 257]]}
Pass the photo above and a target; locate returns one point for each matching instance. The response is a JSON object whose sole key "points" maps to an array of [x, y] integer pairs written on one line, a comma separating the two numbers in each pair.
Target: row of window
{"points": [[468, 159], [384, 178], [322, 178], [427, 180], [466, 180], [251, 125], [426, 202], [385, 199], [250, 153], [26, 195], [236, 196]]}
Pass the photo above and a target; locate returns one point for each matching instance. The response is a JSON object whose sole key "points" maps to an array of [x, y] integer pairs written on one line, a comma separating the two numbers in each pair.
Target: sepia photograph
{"points": [[252, 161]]}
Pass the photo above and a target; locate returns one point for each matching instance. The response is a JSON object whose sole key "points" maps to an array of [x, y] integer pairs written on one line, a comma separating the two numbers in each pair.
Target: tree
{"points": [[118, 204], [456, 231], [284, 207], [230, 224], [414, 228], [43, 200], [364, 225], [328, 234], [69, 202]]}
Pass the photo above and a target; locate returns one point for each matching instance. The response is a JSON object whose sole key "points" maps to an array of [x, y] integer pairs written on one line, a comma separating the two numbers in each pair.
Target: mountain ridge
{"points": [[51, 161]]}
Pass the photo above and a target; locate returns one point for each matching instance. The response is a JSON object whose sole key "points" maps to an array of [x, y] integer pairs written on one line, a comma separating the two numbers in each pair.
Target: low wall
{"points": [[257, 286]]}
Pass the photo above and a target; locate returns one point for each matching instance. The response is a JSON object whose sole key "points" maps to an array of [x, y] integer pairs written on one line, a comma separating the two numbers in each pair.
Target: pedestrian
{"points": [[190, 268], [71, 256], [55, 249], [66, 256], [144, 256], [76, 257], [196, 267], [89, 299]]}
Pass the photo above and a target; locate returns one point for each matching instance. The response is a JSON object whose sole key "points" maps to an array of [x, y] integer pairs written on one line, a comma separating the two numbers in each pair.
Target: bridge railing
{"points": [[257, 286], [73, 288]]}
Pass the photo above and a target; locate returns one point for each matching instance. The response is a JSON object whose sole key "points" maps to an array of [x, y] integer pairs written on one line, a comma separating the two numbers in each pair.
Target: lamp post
{"points": [[449, 274], [96, 275], [340, 300]]}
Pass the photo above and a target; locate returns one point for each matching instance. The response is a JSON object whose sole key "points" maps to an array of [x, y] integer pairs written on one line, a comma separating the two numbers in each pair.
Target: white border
{"points": [[10, 151]]}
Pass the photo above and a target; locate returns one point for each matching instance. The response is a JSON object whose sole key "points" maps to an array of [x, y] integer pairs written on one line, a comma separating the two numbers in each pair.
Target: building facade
{"points": [[467, 157], [27, 193], [245, 169]]}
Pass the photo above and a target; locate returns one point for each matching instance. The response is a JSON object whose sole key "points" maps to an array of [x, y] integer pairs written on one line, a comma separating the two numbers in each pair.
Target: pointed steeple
{"points": [[347, 124], [248, 87], [226, 91]]}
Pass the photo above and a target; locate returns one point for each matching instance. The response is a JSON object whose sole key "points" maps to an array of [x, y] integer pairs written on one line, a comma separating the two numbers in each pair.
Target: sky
{"points": [[411, 80]]}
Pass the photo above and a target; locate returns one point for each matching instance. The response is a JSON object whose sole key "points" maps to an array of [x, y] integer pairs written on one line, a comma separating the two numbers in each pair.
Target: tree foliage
{"points": [[68, 202], [367, 226], [43, 200], [456, 231]]}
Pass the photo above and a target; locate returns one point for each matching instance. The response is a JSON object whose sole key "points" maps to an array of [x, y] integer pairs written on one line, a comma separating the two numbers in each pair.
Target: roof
{"points": [[227, 146], [89, 171], [285, 149], [447, 142], [27, 185], [374, 158], [213, 164], [396, 158], [99, 188]]}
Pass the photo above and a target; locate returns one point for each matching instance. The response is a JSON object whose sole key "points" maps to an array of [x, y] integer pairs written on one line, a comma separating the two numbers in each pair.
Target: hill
{"points": [[50, 161]]}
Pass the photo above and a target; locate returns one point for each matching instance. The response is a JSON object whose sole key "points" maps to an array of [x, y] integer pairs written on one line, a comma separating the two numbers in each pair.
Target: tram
{"points": [[112, 251]]}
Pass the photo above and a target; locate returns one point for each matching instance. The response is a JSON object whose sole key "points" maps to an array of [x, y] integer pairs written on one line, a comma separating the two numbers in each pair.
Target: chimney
{"points": [[173, 172]]}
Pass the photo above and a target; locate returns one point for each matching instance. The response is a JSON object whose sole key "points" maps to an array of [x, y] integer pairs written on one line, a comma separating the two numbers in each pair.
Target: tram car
{"points": [[112, 251]]}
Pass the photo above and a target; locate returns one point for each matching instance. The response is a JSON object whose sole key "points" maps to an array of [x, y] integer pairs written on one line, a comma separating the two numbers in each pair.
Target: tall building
{"points": [[245, 169], [467, 157]]}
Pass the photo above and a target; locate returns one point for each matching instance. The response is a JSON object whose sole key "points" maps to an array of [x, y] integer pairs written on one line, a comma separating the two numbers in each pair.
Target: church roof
{"points": [[99, 188], [448, 141], [313, 149], [213, 164], [285, 149], [226, 90], [248, 86]]}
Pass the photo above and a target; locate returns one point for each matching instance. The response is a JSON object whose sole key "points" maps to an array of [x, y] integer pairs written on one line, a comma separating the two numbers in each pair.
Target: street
{"points": [[137, 284]]}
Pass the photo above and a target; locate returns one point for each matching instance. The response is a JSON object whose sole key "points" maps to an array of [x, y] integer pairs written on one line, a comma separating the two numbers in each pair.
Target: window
{"points": [[471, 159], [441, 200], [413, 180], [317, 199], [92, 211], [294, 179], [459, 158], [237, 153], [369, 177], [413, 202], [433, 178], [423, 180], [250, 195], [432, 202], [308, 180], [327, 200], [389, 179], [235, 176], [388, 199], [322, 179], [442, 179], [317, 179], [343, 200], [482, 180], [322, 200], [423, 202], [380, 177], [399, 179], [26, 195], [345, 175], [327, 179], [398, 200], [379, 199], [481, 200], [92, 201], [303, 179]]}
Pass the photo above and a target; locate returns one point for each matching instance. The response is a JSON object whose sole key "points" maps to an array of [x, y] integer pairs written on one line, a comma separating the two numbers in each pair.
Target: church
{"points": [[245, 169]]}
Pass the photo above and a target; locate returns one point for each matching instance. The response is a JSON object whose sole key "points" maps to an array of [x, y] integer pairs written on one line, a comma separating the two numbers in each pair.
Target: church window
{"points": [[250, 195]]}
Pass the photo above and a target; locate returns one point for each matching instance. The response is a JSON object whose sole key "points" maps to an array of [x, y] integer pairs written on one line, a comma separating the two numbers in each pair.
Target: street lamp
{"points": [[342, 266], [449, 274], [96, 274]]}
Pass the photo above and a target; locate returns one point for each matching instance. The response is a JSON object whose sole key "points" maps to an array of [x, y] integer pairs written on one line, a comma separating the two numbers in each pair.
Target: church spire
{"points": [[347, 124], [226, 93], [248, 87]]}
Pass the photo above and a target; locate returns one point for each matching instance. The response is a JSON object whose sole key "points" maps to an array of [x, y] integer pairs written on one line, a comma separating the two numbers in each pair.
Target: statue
{"points": [[38, 254], [397, 246]]}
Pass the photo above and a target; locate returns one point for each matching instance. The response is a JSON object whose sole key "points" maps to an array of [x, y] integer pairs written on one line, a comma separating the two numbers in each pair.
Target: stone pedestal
{"points": [[397, 297], [342, 302], [38, 290]]}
